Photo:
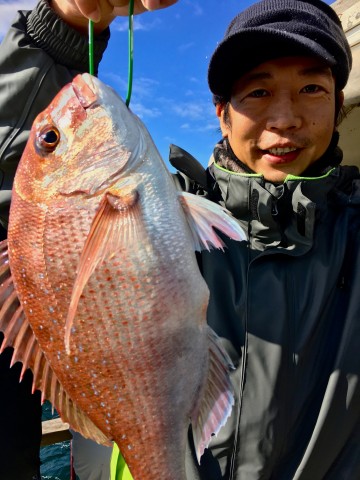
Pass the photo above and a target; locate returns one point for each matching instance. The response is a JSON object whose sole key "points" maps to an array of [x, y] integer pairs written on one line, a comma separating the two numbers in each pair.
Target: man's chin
{"points": [[279, 175], [275, 176]]}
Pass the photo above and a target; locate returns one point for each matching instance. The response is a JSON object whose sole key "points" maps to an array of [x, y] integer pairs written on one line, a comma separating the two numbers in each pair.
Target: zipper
{"points": [[243, 363], [243, 370]]}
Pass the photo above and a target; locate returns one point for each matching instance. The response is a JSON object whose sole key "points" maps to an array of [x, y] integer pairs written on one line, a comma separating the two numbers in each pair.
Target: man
{"points": [[286, 304]]}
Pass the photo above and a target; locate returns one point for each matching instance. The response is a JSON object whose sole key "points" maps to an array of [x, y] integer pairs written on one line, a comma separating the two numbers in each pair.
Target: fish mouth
{"points": [[85, 90]]}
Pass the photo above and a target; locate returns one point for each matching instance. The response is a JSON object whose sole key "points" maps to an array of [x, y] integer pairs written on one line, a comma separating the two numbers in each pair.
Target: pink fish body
{"points": [[112, 312]]}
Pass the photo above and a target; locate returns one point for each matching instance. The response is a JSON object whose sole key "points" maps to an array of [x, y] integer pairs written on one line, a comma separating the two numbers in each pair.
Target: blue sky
{"points": [[172, 48], [171, 55]]}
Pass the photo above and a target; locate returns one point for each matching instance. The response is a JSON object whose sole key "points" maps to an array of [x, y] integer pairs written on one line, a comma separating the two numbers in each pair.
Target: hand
{"points": [[77, 13]]}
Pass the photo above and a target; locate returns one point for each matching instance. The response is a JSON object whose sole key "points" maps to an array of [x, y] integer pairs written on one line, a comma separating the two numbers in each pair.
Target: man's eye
{"points": [[311, 88], [260, 92]]}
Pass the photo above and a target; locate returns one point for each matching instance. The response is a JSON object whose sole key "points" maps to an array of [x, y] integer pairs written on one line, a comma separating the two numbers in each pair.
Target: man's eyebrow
{"points": [[324, 71], [249, 77], [318, 70]]}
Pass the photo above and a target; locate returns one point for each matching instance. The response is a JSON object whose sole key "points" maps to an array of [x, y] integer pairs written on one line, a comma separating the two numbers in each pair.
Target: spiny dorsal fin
{"points": [[18, 334]]}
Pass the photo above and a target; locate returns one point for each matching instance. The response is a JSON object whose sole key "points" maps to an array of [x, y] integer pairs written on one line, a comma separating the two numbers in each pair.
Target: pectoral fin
{"points": [[215, 405], [18, 334], [117, 224], [202, 215]]}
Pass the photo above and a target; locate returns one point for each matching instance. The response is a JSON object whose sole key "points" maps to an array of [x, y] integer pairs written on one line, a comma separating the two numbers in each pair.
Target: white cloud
{"points": [[145, 112], [122, 25], [117, 81], [197, 9], [8, 11], [212, 127], [185, 46], [144, 87], [209, 127], [193, 111]]}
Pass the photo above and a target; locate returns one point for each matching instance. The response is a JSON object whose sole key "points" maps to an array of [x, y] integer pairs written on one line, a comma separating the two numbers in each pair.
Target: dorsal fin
{"points": [[18, 334]]}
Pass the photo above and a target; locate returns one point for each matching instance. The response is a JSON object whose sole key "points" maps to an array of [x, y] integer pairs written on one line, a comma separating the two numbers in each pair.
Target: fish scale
{"points": [[101, 250], [137, 396]]}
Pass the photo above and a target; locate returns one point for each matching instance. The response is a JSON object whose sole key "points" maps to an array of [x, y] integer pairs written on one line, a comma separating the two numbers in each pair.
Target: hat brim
{"points": [[244, 51]]}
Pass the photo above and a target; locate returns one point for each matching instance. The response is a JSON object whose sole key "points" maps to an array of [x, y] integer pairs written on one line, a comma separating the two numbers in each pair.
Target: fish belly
{"points": [[138, 350]]}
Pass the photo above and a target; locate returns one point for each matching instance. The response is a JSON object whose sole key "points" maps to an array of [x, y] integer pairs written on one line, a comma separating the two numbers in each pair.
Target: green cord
{"points": [[91, 47], [131, 51]]}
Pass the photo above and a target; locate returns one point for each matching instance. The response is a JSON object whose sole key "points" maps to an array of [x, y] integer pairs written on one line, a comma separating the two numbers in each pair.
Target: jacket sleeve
{"points": [[38, 56]]}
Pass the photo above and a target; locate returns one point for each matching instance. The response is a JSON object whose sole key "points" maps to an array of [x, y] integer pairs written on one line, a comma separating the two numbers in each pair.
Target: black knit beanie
{"points": [[272, 29]]}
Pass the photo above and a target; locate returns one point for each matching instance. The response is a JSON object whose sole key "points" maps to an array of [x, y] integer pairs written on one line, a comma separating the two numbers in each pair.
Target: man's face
{"points": [[281, 116]]}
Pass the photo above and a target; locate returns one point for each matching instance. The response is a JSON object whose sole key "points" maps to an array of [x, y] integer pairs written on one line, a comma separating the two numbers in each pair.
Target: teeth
{"points": [[281, 151]]}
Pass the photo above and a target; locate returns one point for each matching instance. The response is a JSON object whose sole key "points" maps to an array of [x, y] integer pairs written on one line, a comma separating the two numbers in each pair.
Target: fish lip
{"points": [[85, 90]]}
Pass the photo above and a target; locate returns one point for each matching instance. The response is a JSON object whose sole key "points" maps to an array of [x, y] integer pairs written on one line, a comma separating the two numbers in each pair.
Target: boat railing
{"points": [[54, 431]]}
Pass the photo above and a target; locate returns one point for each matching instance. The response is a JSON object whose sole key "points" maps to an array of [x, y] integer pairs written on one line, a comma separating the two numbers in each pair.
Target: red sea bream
{"points": [[101, 295]]}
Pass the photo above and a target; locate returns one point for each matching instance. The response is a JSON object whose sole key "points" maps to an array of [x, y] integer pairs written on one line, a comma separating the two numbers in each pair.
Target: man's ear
{"points": [[220, 113], [341, 98], [218, 109], [339, 102]]}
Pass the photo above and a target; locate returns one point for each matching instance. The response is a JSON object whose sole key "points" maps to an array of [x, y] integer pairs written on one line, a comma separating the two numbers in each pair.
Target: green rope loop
{"points": [[131, 51], [91, 47]]}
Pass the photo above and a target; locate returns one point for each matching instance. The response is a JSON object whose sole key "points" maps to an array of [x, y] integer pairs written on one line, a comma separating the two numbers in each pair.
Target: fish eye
{"points": [[47, 139]]}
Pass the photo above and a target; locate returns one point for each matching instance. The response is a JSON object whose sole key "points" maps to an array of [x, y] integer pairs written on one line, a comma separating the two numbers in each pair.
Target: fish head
{"points": [[82, 143]]}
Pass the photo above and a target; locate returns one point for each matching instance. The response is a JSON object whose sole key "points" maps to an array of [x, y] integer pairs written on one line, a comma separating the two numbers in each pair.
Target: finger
{"points": [[95, 9], [89, 9], [157, 4]]}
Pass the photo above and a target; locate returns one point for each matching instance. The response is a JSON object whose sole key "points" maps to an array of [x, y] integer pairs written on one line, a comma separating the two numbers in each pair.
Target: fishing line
{"points": [[131, 50]]}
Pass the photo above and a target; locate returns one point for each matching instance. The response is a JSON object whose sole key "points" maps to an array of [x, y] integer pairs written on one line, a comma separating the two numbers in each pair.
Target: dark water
{"points": [[55, 459]]}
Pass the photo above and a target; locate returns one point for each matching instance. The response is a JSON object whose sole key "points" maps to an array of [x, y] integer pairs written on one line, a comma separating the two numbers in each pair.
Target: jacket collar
{"points": [[281, 216]]}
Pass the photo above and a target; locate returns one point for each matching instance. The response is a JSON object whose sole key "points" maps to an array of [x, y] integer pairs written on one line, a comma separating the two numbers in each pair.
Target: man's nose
{"points": [[284, 114]]}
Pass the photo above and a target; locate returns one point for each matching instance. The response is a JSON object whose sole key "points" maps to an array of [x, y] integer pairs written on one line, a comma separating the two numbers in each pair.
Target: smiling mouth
{"points": [[278, 151], [281, 155]]}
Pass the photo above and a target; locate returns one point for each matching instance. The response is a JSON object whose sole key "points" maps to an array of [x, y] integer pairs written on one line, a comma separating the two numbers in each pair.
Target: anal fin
{"points": [[216, 403]]}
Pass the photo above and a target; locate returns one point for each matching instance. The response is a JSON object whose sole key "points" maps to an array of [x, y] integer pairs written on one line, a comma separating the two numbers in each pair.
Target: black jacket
{"points": [[287, 308]]}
